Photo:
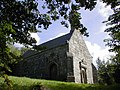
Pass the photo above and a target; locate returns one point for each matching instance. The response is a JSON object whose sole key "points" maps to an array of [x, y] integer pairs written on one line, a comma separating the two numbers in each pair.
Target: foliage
{"points": [[104, 72], [20, 17], [114, 33], [15, 50], [17, 19], [114, 41], [108, 72], [10, 56], [23, 50], [7, 82], [112, 3], [69, 10], [22, 83]]}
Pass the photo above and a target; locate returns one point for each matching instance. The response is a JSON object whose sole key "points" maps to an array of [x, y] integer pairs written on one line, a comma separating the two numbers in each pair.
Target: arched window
{"points": [[53, 71]]}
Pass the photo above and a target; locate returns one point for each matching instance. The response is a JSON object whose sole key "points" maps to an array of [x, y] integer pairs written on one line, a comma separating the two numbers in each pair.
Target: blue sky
{"points": [[93, 21]]}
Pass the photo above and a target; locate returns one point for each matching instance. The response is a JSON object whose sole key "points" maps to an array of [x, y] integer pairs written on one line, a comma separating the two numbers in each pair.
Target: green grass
{"points": [[23, 83]]}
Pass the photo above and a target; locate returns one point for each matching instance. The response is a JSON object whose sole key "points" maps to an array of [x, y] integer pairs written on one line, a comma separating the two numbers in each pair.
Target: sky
{"points": [[90, 19]]}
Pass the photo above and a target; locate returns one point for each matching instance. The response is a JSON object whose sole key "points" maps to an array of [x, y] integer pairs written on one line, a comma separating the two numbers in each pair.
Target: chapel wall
{"points": [[37, 66], [80, 55]]}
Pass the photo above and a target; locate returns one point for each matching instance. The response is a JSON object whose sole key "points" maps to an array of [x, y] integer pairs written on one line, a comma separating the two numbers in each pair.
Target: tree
{"points": [[13, 55], [114, 41], [104, 72], [22, 16], [16, 20], [64, 8], [24, 49], [114, 31]]}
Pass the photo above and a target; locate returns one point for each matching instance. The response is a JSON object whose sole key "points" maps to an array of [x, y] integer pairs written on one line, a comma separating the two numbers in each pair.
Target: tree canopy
{"points": [[109, 73], [114, 41], [114, 32], [20, 17]]}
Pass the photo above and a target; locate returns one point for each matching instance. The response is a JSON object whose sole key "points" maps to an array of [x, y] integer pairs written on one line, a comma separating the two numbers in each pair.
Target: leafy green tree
{"points": [[114, 41], [23, 50], [108, 72], [14, 55], [104, 72], [16, 20], [114, 32], [64, 8]]}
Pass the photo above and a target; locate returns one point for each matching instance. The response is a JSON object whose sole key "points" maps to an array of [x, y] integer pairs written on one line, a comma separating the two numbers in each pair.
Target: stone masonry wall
{"points": [[38, 65], [80, 55]]}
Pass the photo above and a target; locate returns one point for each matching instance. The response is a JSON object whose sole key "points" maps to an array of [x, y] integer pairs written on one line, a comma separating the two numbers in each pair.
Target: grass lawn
{"points": [[23, 83]]}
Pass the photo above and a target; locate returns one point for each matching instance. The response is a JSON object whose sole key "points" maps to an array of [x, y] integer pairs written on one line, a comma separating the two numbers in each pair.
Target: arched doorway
{"points": [[53, 71]]}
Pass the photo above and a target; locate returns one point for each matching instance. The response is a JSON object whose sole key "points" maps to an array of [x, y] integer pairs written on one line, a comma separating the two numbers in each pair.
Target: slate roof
{"points": [[57, 41], [50, 44]]}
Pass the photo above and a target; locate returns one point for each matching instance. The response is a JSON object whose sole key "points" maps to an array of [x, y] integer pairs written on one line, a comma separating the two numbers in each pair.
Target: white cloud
{"points": [[37, 38], [18, 45], [102, 28], [104, 10], [97, 51]]}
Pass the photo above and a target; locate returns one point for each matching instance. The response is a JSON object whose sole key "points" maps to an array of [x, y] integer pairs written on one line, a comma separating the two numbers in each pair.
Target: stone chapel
{"points": [[65, 58]]}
